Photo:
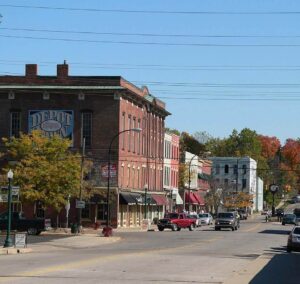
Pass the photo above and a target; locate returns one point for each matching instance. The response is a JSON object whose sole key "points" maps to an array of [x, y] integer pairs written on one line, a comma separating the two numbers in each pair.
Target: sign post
{"points": [[273, 188]]}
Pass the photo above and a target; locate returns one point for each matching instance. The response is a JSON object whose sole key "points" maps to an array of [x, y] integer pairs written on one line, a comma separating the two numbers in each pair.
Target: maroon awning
{"points": [[199, 198], [159, 199], [190, 198]]}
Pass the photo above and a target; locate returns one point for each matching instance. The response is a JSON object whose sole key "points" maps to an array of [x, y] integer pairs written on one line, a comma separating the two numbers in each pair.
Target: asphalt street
{"points": [[201, 256]]}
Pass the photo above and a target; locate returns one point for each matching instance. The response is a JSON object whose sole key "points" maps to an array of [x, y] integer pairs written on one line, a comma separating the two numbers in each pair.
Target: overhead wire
{"points": [[148, 34], [138, 43], [207, 12]]}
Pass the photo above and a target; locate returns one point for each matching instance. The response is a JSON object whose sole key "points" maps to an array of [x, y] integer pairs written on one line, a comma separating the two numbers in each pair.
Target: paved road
{"points": [[202, 256]]}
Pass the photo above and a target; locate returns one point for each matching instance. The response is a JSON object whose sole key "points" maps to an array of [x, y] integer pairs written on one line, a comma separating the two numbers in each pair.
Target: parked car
{"points": [[243, 214], [196, 217], [297, 213], [294, 240], [20, 223], [227, 220], [205, 218], [176, 221], [289, 219], [266, 212], [295, 199]]}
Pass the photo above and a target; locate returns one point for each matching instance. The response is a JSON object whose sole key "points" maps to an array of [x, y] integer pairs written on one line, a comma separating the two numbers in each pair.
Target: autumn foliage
{"points": [[270, 146]]}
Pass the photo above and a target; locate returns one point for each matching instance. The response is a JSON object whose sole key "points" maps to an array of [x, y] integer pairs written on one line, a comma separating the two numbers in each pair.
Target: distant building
{"points": [[192, 194], [171, 171], [236, 174]]}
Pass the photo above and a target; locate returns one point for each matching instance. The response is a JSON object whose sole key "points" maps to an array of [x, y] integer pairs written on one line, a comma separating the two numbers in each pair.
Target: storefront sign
{"points": [[113, 171], [52, 122]]}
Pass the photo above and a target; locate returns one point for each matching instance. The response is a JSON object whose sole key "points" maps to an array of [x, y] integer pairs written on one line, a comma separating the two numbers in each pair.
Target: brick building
{"points": [[95, 108]]}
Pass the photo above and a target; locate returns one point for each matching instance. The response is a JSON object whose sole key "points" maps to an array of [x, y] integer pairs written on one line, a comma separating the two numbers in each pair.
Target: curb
{"points": [[10, 251]]}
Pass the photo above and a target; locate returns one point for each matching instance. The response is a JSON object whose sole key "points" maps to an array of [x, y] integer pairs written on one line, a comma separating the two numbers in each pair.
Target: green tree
{"points": [[172, 130], [46, 170], [190, 144]]}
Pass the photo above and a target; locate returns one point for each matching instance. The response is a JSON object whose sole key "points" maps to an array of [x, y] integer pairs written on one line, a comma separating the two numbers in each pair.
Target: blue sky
{"points": [[207, 88]]}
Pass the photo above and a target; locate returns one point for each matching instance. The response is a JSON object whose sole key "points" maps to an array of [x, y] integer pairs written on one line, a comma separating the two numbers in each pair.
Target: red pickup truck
{"points": [[176, 221]]}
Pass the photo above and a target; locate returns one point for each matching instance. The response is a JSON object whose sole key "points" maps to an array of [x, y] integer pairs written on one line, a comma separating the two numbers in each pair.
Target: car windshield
{"points": [[225, 215], [172, 215], [297, 231], [192, 216], [203, 215], [297, 212], [289, 216]]}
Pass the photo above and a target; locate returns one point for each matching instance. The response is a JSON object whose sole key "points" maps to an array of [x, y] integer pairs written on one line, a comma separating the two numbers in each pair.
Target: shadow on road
{"points": [[275, 232], [282, 268]]}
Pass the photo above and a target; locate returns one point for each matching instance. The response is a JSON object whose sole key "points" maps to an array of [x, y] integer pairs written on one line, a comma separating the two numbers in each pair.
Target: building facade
{"points": [[193, 197], [236, 174], [171, 171], [94, 109]]}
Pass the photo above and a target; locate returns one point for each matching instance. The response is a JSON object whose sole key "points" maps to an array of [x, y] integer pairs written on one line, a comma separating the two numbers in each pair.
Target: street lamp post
{"points": [[107, 231], [8, 242]]}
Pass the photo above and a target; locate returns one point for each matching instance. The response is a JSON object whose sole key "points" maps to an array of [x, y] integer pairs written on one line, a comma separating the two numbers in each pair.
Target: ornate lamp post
{"points": [[8, 242], [107, 231]]}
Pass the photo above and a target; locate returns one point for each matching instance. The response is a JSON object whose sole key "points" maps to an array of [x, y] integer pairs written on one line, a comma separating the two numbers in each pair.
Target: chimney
{"points": [[31, 70], [63, 70]]}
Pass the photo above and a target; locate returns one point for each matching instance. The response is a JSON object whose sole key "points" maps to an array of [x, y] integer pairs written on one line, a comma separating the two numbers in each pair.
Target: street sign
{"points": [[15, 190], [80, 204]]}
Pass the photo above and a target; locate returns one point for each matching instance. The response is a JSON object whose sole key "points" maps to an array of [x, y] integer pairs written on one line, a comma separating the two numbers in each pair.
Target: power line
{"points": [[165, 67], [149, 43], [153, 11], [148, 34]]}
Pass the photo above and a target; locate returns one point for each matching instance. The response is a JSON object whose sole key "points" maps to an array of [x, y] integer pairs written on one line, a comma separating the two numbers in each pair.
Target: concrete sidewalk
{"points": [[65, 240]]}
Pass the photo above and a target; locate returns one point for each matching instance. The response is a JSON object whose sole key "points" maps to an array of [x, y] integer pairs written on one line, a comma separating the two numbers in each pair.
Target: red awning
{"points": [[199, 198], [159, 199], [190, 198]]}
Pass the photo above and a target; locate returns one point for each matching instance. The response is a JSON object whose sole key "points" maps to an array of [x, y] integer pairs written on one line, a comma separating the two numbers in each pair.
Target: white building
{"points": [[237, 174], [259, 202]]}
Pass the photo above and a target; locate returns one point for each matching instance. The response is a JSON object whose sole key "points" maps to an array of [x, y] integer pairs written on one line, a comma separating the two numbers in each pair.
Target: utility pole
{"points": [[81, 182]]}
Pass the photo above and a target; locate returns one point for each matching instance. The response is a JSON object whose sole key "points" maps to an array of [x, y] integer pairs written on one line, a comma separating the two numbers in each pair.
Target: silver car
{"points": [[205, 219], [294, 240]]}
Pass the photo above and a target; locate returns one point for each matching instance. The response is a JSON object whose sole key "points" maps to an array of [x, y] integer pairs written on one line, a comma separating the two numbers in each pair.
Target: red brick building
{"points": [[95, 108]]}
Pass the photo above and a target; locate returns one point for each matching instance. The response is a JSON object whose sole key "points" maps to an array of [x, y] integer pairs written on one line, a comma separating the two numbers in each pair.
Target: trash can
{"points": [[74, 228]]}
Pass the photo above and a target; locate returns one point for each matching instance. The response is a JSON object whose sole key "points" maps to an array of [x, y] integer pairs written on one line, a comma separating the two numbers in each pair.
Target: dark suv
{"points": [[227, 220]]}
